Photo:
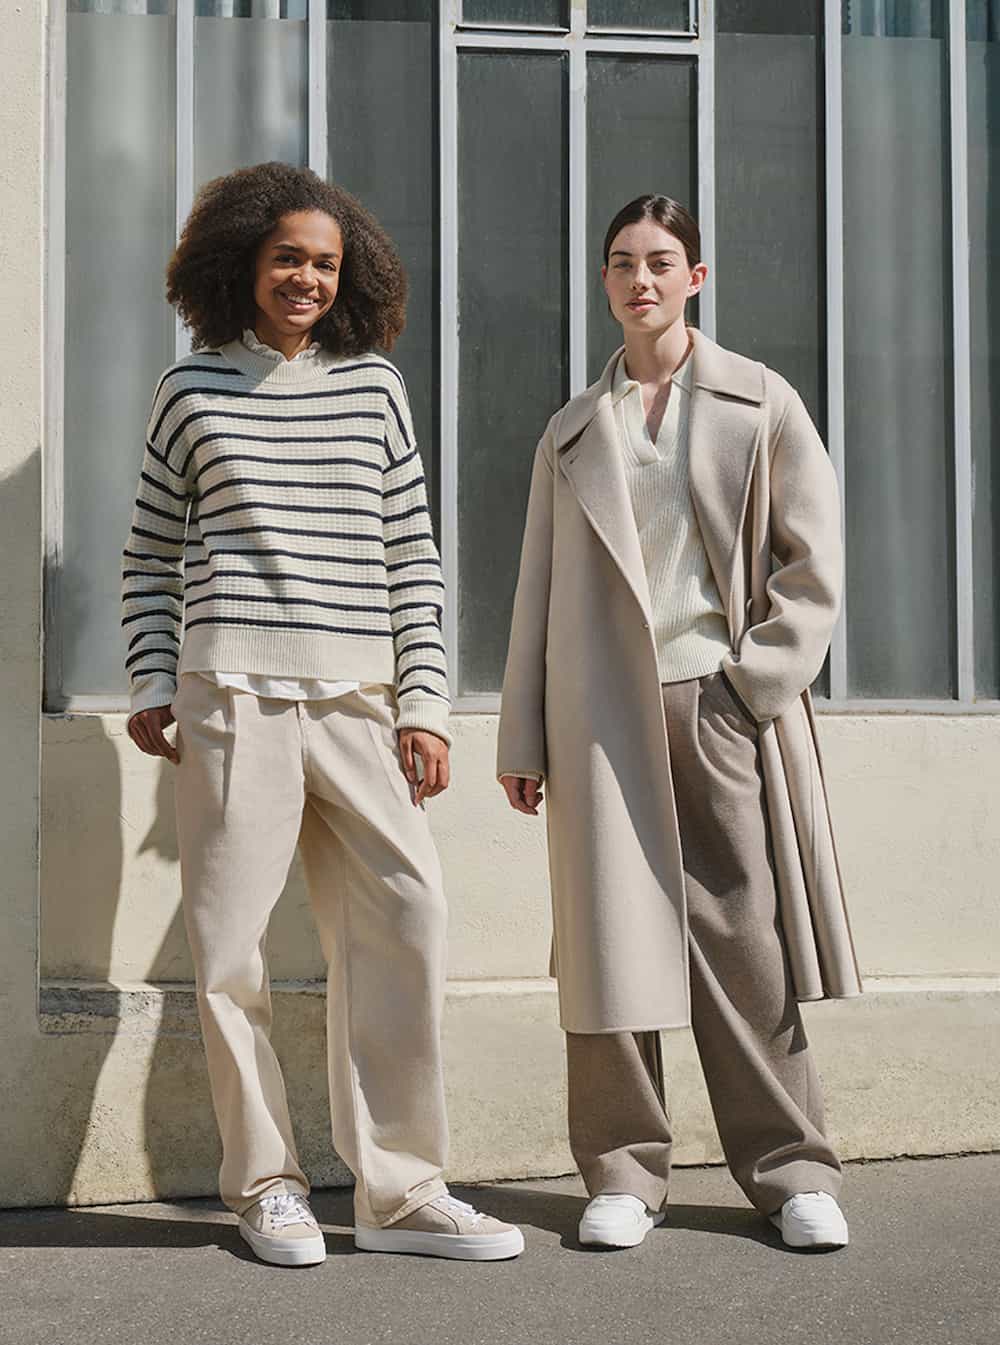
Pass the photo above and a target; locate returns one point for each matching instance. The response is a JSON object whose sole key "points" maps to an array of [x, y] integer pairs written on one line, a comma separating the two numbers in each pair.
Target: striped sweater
{"points": [[281, 527]]}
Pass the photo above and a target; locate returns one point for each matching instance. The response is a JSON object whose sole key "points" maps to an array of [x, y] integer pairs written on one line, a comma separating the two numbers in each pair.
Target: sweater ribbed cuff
{"points": [[150, 691], [430, 716]]}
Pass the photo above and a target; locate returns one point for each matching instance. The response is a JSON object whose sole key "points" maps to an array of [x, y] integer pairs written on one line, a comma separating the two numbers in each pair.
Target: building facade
{"points": [[842, 159]]}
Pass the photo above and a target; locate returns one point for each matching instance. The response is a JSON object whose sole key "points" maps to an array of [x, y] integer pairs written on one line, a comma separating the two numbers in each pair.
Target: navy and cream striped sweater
{"points": [[281, 528]]}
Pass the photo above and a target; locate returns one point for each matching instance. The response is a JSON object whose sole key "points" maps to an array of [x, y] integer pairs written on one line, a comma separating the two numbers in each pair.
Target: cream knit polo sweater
{"points": [[689, 622], [281, 528]]}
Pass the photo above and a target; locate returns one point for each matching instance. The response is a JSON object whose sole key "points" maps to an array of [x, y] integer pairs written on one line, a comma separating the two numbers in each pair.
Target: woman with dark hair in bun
{"points": [[282, 602], [680, 580]]}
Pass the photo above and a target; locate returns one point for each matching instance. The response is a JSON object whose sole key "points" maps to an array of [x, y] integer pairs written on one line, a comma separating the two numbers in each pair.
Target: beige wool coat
{"points": [[581, 697]]}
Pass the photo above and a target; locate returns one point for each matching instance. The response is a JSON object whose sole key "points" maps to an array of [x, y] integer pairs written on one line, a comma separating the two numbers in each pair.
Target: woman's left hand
{"points": [[433, 752]]}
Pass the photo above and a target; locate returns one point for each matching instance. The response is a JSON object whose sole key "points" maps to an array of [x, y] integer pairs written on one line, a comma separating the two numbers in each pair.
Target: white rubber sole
{"points": [[624, 1237], [278, 1251], [803, 1241], [452, 1246]]}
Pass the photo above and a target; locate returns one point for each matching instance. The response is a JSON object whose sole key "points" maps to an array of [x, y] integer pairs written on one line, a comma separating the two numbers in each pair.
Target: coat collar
{"points": [[723, 435], [713, 368]]}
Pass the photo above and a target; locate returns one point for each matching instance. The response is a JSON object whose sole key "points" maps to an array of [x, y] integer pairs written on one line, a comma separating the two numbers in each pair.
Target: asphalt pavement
{"points": [[923, 1268]]}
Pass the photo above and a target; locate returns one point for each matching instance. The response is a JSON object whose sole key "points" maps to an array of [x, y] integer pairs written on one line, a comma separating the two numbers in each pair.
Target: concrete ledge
{"points": [[913, 1067]]}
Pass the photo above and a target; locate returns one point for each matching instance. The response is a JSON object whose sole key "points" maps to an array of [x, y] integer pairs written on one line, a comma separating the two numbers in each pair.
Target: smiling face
{"points": [[297, 271], [648, 279]]}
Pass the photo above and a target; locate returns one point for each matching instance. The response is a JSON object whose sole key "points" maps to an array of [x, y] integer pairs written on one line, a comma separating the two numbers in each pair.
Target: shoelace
{"points": [[285, 1209], [452, 1205]]}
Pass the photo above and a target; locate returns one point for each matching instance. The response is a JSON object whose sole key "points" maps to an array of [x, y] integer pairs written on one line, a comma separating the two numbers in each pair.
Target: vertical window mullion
{"points": [[705, 209], [580, 262], [448, 152], [317, 87], [961, 347], [834, 203], [184, 145]]}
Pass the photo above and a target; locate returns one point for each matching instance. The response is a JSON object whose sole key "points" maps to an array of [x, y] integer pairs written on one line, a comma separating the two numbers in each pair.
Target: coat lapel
{"points": [[723, 437], [591, 461]]}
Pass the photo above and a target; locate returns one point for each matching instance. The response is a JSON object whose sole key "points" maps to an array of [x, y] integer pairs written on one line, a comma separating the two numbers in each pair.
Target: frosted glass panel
{"points": [[897, 283], [384, 151], [119, 330], [251, 93], [513, 366], [984, 268], [641, 131]]}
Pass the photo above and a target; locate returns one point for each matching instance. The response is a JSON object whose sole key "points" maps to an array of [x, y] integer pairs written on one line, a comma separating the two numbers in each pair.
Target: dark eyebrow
{"points": [[657, 252], [294, 247]]}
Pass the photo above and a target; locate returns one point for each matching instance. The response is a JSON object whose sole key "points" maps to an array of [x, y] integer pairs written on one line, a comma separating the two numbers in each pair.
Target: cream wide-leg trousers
{"points": [[256, 776]]}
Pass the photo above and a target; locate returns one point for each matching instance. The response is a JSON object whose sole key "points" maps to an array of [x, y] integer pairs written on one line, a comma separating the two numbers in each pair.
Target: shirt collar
{"points": [[250, 340], [622, 384]]}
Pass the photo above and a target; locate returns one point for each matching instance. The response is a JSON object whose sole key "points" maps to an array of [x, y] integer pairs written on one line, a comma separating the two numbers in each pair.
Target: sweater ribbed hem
{"points": [[288, 653], [693, 654]]}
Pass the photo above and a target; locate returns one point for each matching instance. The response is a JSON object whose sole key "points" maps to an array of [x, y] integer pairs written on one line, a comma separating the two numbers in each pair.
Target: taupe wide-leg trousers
{"points": [[256, 775], [761, 1079]]}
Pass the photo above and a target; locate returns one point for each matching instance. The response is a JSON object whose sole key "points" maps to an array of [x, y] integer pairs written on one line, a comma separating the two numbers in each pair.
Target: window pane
{"points": [[119, 331], [384, 151], [984, 268], [668, 16], [769, 282], [513, 365], [641, 128], [897, 283], [251, 87], [530, 13], [783, 17]]}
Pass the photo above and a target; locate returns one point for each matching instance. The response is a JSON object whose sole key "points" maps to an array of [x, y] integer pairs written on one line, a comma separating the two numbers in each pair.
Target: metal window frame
{"points": [[577, 43]]}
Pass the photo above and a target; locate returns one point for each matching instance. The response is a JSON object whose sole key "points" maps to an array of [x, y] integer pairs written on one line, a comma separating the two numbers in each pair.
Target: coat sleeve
{"points": [[521, 737], [779, 657]]}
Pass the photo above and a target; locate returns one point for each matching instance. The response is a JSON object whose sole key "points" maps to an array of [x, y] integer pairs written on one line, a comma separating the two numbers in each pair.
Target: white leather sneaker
{"points": [[617, 1221], [811, 1219], [282, 1230]]}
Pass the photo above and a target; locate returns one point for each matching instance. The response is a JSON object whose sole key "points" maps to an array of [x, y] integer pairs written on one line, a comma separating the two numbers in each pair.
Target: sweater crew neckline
{"points": [[265, 369]]}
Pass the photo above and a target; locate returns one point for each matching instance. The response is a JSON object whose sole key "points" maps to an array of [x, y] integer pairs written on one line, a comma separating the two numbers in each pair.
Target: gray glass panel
{"points": [[383, 150], [769, 222], [899, 443], [984, 269], [513, 364], [783, 17], [667, 16], [381, 11], [769, 281], [641, 138], [527, 13], [119, 331], [251, 89]]}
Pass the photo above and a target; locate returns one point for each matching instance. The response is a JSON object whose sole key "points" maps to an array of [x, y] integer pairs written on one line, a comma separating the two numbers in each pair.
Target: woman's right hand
{"points": [[146, 731], [523, 793]]}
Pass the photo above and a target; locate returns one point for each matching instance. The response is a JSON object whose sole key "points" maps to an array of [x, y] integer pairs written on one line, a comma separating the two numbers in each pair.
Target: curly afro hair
{"points": [[210, 277]]}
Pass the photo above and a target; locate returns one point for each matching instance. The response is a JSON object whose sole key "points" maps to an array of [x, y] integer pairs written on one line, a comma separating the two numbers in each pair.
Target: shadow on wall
{"points": [[134, 1111]]}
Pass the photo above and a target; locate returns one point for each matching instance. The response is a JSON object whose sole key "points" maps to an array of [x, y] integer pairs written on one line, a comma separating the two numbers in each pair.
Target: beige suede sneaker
{"points": [[282, 1230], [444, 1227]]}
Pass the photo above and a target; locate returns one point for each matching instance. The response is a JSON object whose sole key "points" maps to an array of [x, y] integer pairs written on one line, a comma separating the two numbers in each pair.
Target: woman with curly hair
{"points": [[282, 601]]}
